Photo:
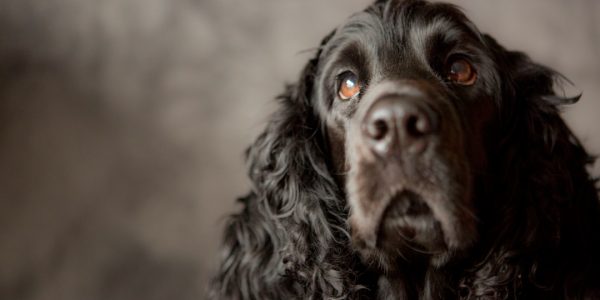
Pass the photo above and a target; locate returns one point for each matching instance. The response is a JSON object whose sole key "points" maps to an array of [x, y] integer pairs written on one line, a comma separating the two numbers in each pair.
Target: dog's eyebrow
{"points": [[449, 28]]}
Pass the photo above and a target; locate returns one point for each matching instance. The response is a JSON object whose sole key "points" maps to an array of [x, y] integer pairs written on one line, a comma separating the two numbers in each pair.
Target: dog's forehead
{"points": [[402, 28]]}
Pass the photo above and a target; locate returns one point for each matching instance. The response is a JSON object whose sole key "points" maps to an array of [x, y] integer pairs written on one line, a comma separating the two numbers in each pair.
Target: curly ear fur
{"points": [[291, 238], [543, 227]]}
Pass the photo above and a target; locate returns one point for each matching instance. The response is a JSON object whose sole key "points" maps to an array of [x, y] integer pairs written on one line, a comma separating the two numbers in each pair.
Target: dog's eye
{"points": [[460, 71], [349, 85]]}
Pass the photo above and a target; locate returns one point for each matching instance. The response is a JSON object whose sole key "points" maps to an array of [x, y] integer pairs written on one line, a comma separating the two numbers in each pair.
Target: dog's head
{"points": [[414, 101], [449, 152]]}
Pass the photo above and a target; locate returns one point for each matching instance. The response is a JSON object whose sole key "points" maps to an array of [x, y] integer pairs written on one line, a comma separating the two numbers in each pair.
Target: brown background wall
{"points": [[123, 122]]}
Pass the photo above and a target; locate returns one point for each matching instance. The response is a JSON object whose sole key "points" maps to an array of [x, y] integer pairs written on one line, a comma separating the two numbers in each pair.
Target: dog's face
{"points": [[408, 91]]}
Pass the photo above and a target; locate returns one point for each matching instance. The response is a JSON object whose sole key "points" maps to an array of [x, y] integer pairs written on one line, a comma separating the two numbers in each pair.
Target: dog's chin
{"points": [[408, 230], [408, 222]]}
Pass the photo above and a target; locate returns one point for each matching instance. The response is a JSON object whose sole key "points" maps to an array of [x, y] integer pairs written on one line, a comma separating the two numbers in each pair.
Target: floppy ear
{"points": [[286, 242], [537, 82], [529, 95], [545, 199], [539, 152]]}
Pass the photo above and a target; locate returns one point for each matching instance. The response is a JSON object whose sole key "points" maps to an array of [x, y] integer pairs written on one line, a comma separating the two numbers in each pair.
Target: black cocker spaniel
{"points": [[416, 159]]}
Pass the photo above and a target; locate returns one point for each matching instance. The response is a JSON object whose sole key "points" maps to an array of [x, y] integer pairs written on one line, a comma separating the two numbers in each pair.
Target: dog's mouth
{"points": [[406, 204], [408, 221]]}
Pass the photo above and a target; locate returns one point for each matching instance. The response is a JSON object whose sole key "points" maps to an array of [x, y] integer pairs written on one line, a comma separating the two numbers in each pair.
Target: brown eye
{"points": [[460, 71], [349, 86]]}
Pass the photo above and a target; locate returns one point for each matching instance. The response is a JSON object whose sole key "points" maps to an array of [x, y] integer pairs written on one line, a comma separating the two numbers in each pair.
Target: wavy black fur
{"points": [[291, 239], [537, 205]]}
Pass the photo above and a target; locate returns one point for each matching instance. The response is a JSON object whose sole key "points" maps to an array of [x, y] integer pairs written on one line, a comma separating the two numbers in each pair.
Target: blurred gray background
{"points": [[123, 122]]}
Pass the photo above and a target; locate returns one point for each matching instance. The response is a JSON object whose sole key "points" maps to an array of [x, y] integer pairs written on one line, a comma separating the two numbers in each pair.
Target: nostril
{"points": [[378, 129], [417, 126], [411, 126], [381, 129]]}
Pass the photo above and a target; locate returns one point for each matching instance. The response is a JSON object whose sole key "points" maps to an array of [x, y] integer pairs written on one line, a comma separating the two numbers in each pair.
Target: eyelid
{"points": [[341, 74], [460, 55]]}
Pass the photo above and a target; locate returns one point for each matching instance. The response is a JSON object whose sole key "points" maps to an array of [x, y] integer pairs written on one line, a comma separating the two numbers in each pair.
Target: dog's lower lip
{"points": [[407, 214], [409, 222], [407, 204]]}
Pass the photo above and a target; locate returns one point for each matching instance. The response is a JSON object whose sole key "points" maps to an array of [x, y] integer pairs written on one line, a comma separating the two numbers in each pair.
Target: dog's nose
{"points": [[397, 123]]}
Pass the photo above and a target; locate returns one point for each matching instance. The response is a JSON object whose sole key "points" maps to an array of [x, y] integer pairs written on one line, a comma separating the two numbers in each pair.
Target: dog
{"points": [[416, 158]]}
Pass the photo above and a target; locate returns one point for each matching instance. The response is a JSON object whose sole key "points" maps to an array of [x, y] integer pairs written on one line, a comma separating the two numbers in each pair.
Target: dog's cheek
{"points": [[481, 119], [337, 148]]}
